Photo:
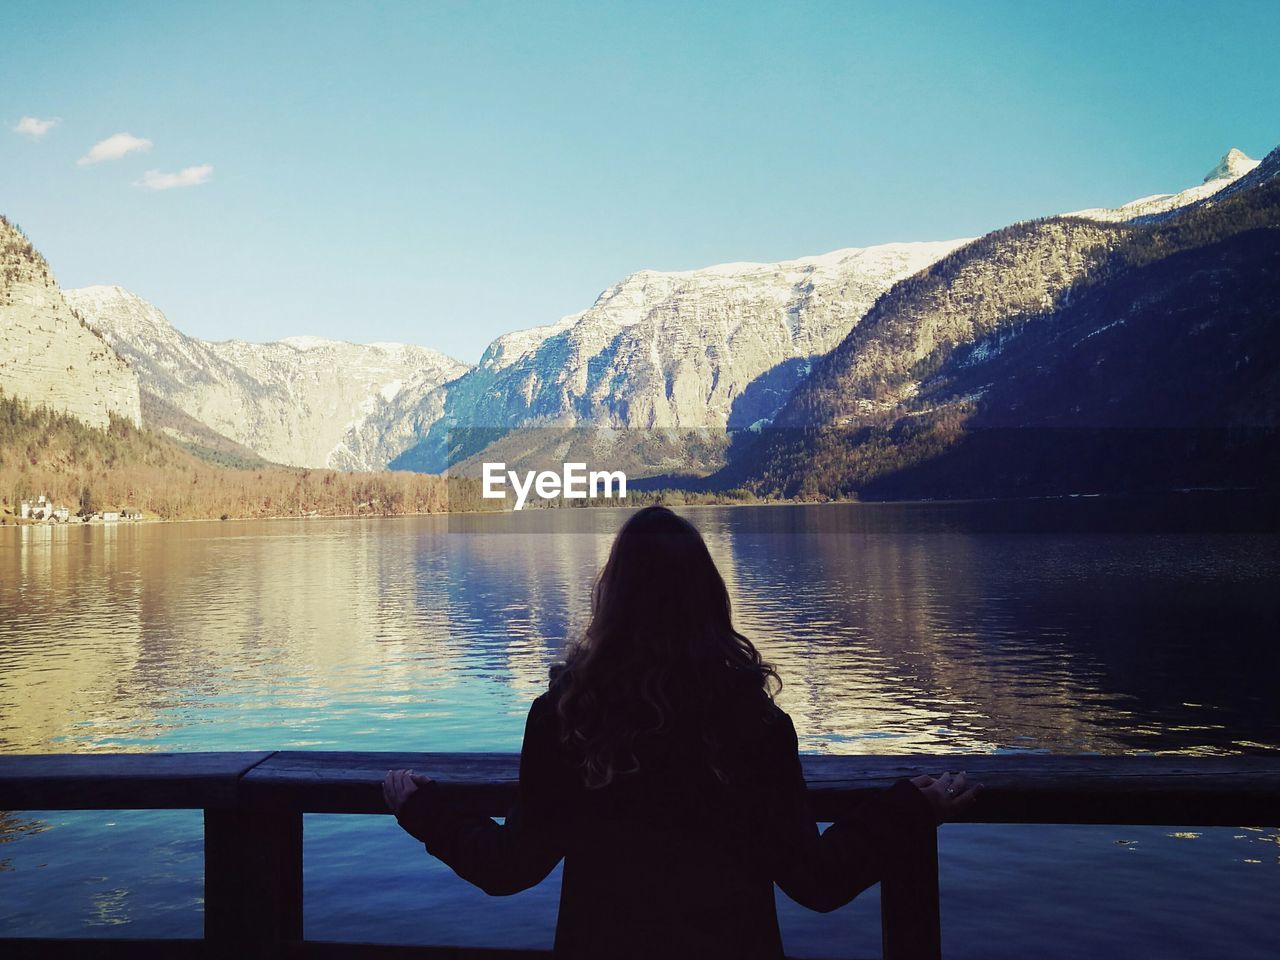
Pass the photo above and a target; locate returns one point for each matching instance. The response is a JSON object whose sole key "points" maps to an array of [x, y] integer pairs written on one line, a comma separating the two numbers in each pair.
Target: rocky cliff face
{"points": [[302, 401], [47, 356], [703, 349], [396, 420]]}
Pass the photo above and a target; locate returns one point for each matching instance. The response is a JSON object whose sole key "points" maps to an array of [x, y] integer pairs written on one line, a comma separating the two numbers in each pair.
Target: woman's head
{"points": [[660, 652]]}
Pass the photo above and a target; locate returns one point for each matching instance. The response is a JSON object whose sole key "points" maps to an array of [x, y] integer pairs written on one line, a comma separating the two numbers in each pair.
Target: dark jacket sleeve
{"points": [[827, 870], [500, 859]]}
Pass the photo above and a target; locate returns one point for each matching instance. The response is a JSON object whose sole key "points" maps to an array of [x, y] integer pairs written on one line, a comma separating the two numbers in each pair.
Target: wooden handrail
{"points": [[254, 802]]}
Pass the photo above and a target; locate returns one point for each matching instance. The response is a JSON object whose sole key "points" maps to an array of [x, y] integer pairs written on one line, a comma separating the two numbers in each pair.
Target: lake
{"points": [[1066, 626]]}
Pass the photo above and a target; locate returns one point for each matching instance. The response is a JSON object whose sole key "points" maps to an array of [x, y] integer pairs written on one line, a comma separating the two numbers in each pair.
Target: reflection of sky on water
{"points": [[910, 628]]}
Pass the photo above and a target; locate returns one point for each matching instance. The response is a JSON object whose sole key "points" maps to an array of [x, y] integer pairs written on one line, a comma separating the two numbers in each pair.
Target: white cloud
{"points": [[186, 177], [34, 127], [114, 147]]}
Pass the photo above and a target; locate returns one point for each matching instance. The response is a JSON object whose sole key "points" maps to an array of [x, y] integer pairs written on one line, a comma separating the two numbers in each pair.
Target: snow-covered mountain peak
{"points": [[716, 347], [1233, 165], [309, 343], [306, 344], [643, 295], [105, 292], [128, 310], [872, 257]]}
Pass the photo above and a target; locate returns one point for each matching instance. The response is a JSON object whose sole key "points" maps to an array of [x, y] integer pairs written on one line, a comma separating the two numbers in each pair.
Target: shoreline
{"points": [[12, 521]]}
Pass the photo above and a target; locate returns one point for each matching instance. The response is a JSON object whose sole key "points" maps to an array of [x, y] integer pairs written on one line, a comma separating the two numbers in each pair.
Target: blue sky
{"points": [[441, 173]]}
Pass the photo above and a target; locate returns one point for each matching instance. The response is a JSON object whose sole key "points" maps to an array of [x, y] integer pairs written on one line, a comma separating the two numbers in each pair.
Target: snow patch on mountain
{"points": [[717, 347], [1233, 165]]}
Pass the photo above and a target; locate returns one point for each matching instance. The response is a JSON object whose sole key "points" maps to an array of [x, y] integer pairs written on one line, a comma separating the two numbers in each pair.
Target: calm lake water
{"points": [[1062, 626]]}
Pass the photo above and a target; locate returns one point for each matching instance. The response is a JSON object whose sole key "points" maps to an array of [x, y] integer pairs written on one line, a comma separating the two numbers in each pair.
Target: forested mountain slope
{"points": [[87, 468], [1044, 327]]}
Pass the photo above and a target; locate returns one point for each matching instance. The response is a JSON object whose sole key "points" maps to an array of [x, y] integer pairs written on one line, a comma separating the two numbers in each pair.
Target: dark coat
{"points": [[671, 861]]}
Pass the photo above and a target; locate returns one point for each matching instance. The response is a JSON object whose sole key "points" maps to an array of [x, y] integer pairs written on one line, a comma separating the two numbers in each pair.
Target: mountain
{"points": [[48, 357], [303, 401], [682, 352], [663, 363], [658, 376], [1233, 165], [1150, 381], [1054, 356]]}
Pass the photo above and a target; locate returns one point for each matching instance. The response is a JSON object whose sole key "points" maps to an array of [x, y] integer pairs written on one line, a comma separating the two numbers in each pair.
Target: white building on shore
{"points": [[42, 508]]}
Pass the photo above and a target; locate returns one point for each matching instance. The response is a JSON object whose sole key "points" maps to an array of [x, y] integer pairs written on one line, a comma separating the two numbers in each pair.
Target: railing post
{"points": [[252, 882], [910, 909]]}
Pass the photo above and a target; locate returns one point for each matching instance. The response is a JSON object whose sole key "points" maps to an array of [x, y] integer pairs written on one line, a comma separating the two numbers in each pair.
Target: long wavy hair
{"points": [[660, 655]]}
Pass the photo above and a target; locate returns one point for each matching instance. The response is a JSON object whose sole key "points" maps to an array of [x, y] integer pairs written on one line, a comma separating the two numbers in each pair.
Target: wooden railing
{"points": [[253, 805]]}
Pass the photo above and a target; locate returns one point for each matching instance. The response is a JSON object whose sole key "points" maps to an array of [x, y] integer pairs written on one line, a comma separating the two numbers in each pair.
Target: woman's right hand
{"points": [[948, 794], [399, 786]]}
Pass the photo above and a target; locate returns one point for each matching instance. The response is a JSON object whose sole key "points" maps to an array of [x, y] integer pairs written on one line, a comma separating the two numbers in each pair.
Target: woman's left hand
{"points": [[399, 786], [949, 794]]}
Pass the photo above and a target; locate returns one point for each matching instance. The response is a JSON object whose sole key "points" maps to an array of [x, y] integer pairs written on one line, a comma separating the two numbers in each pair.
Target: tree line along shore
{"points": [[124, 467], [128, 469]]}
